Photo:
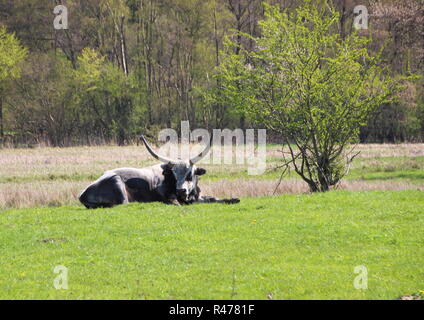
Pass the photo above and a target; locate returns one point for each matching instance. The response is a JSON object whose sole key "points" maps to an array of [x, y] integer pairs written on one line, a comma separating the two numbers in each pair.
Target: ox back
{"points": [[119, 186]]}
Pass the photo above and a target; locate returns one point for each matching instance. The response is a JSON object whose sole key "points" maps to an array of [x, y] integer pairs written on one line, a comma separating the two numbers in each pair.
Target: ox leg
{"points": [[172, 200], [207, 199], [105, 193]]}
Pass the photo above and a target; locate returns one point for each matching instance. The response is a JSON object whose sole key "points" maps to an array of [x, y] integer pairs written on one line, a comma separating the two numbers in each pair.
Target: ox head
{"points": [[185, 172]]}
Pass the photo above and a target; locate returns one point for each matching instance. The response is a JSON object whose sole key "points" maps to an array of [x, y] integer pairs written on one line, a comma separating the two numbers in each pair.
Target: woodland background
{"points": [[127, 66]]}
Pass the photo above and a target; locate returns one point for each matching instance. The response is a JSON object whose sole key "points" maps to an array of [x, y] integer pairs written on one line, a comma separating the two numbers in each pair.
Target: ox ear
{"points": [[200, 172], [167, 168]]}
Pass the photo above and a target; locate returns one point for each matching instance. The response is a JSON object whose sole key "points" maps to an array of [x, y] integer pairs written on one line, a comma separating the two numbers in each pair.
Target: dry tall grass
{"points": [[391, 150], [57, 193], [54, 176], [374, 150]]}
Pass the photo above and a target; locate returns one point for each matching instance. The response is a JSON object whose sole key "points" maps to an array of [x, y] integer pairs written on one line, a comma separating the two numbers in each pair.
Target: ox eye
{"points": [[189, 177]]}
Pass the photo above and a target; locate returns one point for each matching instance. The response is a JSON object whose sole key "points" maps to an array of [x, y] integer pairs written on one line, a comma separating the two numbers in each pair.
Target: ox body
{"points": [[172, 182]]}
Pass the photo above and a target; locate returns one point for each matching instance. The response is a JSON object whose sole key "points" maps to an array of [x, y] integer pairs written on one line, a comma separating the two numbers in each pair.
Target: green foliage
{"points": [[11, 55], [308, 84], [305, 249], [90, 65], [45, 99], [107, 94], [162, 55]]}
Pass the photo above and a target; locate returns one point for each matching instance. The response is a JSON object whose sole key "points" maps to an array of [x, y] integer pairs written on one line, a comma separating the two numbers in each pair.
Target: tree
{"points": [[309, 85], [161, 55], [44, 97], [107, 92], [398, 24], [11, 55]]}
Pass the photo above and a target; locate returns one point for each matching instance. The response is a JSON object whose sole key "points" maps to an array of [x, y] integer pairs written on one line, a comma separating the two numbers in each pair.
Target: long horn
{"points": [[201, 155], [154, 154]]}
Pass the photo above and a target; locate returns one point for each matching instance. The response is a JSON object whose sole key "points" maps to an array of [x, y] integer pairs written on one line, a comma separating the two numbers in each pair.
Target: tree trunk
{"points": [[123, 47], [1, 119]]}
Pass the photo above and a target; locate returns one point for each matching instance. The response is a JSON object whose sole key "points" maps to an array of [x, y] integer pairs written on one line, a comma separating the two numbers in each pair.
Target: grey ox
{"points": [[171, 182]]}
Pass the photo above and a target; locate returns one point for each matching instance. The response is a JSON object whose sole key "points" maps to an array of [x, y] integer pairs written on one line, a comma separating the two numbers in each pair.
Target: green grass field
{"points": [[293, 245], [285, 247]]}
